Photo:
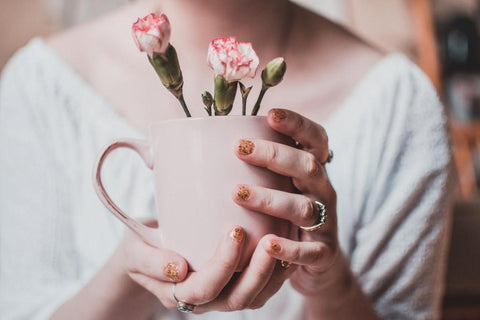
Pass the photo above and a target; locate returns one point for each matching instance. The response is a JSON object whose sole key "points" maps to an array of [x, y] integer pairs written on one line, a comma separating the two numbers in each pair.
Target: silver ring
{"points": [[182, 306], [322, 217]]}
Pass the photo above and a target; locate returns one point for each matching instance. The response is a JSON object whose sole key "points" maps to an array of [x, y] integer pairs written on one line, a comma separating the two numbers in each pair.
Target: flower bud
{"points": [[273, 72], [208, 102], [224, 95], [168, 69], [207, 99], [152, 33]]}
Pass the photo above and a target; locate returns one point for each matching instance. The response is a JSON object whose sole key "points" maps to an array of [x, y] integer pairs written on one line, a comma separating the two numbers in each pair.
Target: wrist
{"points": [[120, 296], [336, 285], [117, 268], [341, 297]]}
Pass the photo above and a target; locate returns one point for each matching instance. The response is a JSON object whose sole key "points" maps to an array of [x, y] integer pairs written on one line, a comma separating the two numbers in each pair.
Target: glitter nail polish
{"points": [[243, 193], [171, 271], [237, 234], [275, 247], [246, 147], [279, 115]]}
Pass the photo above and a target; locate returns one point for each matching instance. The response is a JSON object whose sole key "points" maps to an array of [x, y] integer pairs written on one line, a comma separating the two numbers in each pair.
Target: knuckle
{"points": [[306, 210], [300, 124], [272, 153], [312, 166], [267, 201], [227, 265], [204, 294], [298, 184], [236, 303], [332, 194], [323, 134], [296, 254], [257, 305], [262, 273], [209, 294], [318, 253]]}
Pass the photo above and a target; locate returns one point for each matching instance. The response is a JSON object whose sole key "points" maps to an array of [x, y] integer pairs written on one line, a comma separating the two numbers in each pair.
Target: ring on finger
{"points": [[181, 305], [322, 217], [285, 264]]}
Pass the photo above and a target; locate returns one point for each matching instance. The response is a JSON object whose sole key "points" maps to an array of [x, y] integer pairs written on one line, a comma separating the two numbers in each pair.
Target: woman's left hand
{"points": [[306, 262]]}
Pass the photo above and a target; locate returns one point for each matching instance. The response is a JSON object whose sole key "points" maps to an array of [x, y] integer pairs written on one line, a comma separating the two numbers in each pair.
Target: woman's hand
{"points": [[157, 269], [312, 261], [315, 253], [137, 276], [211, 287]]}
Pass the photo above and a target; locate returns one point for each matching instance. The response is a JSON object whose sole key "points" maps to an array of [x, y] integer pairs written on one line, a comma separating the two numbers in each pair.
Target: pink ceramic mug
{"points": [[196, 170]]}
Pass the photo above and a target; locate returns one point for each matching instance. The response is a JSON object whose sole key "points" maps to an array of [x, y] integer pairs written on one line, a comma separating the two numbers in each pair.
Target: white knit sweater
{"points": [[391, 173]]}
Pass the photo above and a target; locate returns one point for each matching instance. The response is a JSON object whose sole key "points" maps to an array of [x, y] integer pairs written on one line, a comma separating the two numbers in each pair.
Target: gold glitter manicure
{"points": [[243, 193], [246, 147], [171, 271], [275, 247], [237, 234], [279, 115]]}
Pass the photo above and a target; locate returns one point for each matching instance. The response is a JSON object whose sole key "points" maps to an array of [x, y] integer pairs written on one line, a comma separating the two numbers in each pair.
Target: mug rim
{"points": [[209, 118]]}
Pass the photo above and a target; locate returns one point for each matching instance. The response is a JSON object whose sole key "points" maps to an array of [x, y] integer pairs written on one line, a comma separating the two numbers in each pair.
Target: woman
{"points": [[380, 254]]}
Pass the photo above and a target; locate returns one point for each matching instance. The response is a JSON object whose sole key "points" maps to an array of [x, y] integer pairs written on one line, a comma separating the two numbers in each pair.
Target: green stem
{"points": [[184, 106], [244, 106], [259, 100]]}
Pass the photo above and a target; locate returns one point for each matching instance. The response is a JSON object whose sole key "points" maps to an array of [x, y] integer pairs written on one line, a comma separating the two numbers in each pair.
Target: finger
{"points": [[296, 208], [250, 283], [157, 263], [279, 276], [205, 285], [308, 133], [316, 254], [280, 158]]}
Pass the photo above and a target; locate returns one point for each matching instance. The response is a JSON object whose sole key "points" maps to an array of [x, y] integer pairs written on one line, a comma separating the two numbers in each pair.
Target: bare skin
{"points": [[324, 64]]}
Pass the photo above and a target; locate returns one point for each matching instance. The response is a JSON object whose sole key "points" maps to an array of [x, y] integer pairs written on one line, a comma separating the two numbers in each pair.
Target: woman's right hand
{"points": [[156, 269]]}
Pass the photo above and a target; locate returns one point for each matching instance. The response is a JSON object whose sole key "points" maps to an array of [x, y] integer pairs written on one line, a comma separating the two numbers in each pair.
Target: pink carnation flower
{"points": [[152, 33], [231, 59]]}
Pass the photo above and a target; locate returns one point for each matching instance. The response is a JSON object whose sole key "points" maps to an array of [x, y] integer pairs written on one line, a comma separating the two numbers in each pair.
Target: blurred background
{"points": [[441, 36]]}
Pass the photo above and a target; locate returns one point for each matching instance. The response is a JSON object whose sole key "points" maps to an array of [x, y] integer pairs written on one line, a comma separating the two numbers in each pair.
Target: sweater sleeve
{"points": [[400, 241], [37, 269]]}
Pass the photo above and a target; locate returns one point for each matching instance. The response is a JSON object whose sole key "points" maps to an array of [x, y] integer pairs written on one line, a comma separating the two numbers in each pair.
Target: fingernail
{"points": [[171, 271], [279, 115], [275, 247], [243, 193], [237, 234], [246, 147]]}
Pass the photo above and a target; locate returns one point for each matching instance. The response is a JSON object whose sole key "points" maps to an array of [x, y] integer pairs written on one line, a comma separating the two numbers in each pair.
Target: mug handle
{"points": [[142, 147]]}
